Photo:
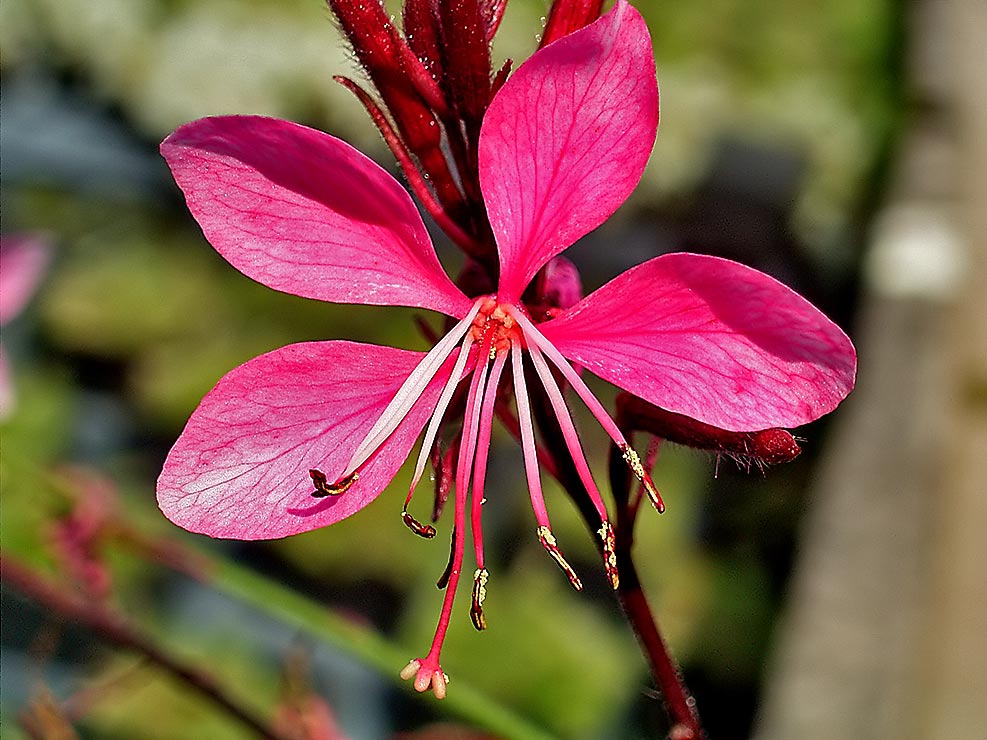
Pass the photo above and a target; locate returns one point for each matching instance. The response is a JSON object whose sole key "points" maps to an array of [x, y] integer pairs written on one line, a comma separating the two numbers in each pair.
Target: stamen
{"points": [[324, 488], [634, 463], [547, 540], [480, 578], [432, 673], [422, 530], [539, 340], [440, 409], [410, 391], [568, 429], [531, 468], [596, 408], [609, 554], [482, 452]]}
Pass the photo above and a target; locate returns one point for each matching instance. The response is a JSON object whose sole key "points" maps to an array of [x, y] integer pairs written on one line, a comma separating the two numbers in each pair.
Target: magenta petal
{"points": [[305, 213], [241, 467], [565, 141], [711, 339]]}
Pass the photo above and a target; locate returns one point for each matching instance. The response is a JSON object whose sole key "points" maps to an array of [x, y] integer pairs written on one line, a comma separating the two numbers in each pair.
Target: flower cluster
{"points": [[557, 146]]}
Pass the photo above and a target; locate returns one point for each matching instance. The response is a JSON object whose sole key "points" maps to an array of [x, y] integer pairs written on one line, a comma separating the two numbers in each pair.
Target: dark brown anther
{"points": [[547, 540], [567, 16], [324, 488], [422, 530], [480, 578], [760, 448], [447, 573], [609, 554]]}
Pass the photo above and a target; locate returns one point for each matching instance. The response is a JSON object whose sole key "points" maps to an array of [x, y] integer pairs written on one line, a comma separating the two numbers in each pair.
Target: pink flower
{"points": [[562, 145], [23, 260]]}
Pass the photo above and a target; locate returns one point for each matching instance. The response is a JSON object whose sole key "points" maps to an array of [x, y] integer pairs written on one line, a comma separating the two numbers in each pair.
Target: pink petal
{"points": [[23, 259], [711, 339], [565, 141], [306, 213], [240, 468]]}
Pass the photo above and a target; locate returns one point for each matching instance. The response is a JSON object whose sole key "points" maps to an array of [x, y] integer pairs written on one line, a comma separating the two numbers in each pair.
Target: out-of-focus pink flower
{"points": [[23, 259], [562, 145]]}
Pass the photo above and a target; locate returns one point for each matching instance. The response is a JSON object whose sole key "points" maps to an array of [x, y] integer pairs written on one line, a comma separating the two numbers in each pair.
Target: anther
{"points": [[547, 540], [609, 554], [422, 530], [480, 577], [324, 488], [634, 463]]}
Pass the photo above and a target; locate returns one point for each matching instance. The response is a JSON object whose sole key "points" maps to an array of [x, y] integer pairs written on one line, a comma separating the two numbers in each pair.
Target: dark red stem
{"points": [[681, 708], [113, 628]]}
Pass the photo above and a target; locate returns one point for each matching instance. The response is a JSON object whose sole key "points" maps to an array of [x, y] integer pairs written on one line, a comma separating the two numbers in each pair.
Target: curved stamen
{"points": [[481, 576], [568, 429], [579, 460], [544, 530], [482, 453], [324, 488], [535, 337], [409, 392], [440, 409]]}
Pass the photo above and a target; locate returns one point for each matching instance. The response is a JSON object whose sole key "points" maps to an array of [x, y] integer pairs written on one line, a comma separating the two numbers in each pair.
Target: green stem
{"points": [[367, 646]]}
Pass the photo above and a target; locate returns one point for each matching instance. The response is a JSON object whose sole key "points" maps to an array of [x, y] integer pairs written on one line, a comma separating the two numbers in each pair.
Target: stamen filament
{"points": [[440, 409], [544, 530], [450, 579], [536, 338], [409, 392], [578, 458], [527, 437], [568, 429], [482, 453]]}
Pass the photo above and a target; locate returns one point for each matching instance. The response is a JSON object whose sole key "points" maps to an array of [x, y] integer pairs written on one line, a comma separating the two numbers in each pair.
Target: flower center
{"points": [[495, 326]]}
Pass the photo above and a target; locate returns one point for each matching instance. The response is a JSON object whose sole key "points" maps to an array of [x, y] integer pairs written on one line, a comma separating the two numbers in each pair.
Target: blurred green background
{"points": [[777, 121]]}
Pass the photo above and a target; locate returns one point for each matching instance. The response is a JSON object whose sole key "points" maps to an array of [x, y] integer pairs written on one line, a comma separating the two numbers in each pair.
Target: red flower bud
{"points": [[567, 16], [467, 48], [764, 447]]}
